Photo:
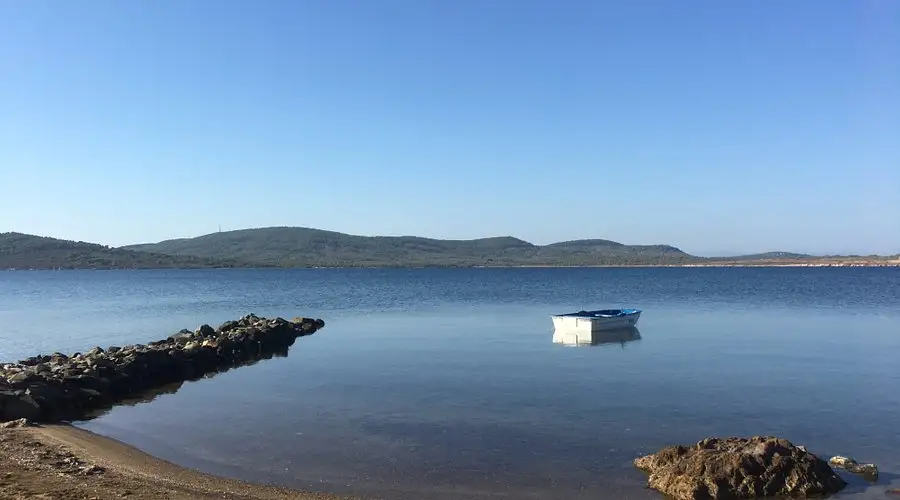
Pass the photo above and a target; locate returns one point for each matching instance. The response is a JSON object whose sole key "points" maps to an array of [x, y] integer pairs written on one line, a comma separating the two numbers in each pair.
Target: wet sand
{"points": [[62, 462]]}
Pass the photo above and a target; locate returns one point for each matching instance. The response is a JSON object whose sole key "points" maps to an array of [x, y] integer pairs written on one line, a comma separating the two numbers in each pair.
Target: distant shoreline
{"points": [[308, 248], [811, 263]]}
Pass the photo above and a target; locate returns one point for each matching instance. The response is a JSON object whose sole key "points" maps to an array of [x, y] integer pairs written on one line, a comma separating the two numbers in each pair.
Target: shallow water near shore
{"points": [[447, 382]]}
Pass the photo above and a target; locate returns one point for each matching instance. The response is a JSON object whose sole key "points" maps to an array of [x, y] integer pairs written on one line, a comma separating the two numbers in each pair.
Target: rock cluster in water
{"points": [[58, 387], [756, 467]]}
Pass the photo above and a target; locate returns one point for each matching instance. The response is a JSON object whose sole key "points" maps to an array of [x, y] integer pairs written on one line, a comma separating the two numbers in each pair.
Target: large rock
{"points": [[60, 387], [733, 468]]}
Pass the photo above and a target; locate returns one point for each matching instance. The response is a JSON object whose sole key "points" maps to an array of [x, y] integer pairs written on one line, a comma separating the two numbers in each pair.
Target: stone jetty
{"points": [[60, 387], [732, 468]]}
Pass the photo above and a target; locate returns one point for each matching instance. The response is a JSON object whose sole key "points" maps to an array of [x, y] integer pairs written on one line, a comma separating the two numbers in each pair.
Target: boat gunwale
{"points": [[624, 312]]}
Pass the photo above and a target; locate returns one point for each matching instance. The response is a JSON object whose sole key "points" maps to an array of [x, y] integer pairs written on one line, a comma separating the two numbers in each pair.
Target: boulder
{"points": [[228, 326], [733, 468], [206, 331]]}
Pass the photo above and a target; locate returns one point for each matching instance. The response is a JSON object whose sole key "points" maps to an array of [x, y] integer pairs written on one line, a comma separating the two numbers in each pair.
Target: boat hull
{"points": [[587, 322]]}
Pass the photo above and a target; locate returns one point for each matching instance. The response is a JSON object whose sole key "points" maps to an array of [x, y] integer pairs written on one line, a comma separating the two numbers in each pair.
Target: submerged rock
{"points": [[726, 468], [60, 387]]}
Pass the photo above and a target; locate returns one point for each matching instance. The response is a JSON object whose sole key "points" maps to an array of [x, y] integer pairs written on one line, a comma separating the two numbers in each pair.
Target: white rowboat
{"points": [[586, 322]]}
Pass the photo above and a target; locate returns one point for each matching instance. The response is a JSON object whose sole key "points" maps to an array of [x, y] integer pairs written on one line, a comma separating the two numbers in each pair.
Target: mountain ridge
{"points": [[285, 246], [28, 251], [289, 247]]}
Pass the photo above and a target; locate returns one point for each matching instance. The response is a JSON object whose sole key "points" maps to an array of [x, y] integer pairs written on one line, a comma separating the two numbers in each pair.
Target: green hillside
{"points": [[305, 247], [25, 251], [767, 256]]}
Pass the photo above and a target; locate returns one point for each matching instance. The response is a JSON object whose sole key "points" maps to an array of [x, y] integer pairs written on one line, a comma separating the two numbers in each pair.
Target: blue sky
{"points": [[718, 127]]}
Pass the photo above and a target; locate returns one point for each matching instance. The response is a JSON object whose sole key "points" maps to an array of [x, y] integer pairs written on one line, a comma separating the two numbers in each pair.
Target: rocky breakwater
{"points": [[731, 468], [59, 387]]}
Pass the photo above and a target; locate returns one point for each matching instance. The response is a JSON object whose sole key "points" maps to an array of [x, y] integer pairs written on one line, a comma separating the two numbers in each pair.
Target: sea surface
{"points": [[446, 383]]}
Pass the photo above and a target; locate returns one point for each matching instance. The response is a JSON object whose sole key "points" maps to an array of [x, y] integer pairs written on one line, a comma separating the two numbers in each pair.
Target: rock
{"points": [[206, 331], [192, 346], [720, 468], [91, 470], [21, 422], [21, 377], [868, 471], [842, 462], [228, 326], [182, 338], [113, 349]]}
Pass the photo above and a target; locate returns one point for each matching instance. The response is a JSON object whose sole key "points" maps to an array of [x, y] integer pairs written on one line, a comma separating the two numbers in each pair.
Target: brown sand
{"points": [[61, 462]]}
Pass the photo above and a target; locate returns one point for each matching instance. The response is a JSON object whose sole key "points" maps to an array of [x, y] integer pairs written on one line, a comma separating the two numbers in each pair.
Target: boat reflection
{"points": [[619, 336]]}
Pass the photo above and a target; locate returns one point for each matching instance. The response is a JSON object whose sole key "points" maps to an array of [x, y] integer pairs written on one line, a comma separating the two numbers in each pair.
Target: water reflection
{"points": [[151, 394], [619, 336]]}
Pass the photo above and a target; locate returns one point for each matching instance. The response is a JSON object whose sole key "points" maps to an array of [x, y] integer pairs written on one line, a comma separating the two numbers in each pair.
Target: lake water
{"points": [[446, 383]]}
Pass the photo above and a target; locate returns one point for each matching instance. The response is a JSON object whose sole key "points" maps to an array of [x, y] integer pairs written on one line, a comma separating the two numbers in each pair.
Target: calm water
{"points": [[447, 381]]}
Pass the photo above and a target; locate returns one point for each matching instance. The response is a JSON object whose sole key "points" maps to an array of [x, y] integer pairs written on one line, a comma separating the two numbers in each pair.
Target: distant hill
{"points": [[768, 256], [306, 247], [25, 251]]}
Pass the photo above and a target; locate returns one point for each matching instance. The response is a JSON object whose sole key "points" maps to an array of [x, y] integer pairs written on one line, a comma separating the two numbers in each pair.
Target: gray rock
{"points": [[113, 349]]}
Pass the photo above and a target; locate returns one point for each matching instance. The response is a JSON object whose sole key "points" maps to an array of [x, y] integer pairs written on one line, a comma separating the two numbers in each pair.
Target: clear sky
{"points": [[718, 127]]}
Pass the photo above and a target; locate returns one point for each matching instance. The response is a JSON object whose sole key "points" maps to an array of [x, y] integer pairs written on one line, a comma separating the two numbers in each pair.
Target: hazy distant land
{"points": [[297, 247]]}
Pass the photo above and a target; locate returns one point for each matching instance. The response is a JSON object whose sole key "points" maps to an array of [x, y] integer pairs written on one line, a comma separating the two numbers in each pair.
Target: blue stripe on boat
{"points": [[602, 313]]}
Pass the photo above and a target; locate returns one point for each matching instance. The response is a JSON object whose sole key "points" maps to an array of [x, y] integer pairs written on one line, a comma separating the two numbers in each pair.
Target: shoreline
{"points": [[759, 264], [64, 462]]}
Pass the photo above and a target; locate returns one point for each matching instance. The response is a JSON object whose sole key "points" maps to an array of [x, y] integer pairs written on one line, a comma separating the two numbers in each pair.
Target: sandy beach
{"points": [[62, 462]]}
